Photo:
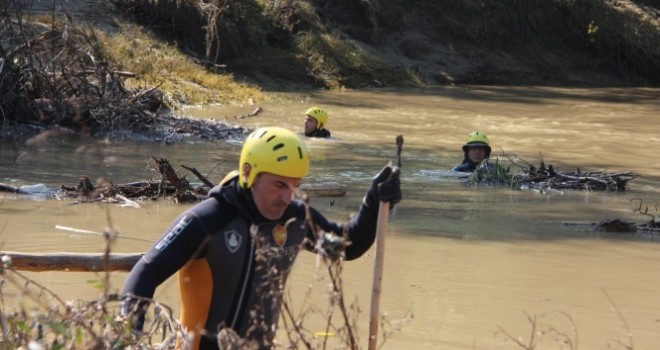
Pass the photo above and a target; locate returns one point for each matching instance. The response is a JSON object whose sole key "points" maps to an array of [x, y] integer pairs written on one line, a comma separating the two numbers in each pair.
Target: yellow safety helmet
{"points": [[320, 116], [273, 150], [477, 139]]}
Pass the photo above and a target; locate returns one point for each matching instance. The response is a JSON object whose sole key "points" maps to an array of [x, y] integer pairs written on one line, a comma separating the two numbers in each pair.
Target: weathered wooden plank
{"points": [[74, 262]]}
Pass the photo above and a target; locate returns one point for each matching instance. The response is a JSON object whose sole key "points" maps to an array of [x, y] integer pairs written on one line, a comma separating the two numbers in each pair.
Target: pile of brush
{"points": [[526, 176]]}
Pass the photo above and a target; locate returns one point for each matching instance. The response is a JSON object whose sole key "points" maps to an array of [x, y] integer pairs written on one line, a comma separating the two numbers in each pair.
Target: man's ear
{"points": [[245, 172]]}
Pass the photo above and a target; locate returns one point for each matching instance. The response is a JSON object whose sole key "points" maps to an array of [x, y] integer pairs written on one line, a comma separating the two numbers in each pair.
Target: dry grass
{"points": [[339, 63], [559, 329], [163, 65], [359, 44]]}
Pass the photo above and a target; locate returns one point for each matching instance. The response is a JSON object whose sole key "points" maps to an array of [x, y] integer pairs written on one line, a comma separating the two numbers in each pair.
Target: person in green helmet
{"points": [[475, 150], [315, 122], [233, 251]]}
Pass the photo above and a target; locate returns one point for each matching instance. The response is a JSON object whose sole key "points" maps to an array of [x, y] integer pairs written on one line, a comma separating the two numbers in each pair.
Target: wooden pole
{"points": [[74, 262], [381, 230]]}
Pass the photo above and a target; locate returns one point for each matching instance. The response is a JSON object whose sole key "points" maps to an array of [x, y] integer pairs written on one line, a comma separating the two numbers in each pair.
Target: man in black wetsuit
{"points": [[315, 122], [234, 250], [475, 150]]}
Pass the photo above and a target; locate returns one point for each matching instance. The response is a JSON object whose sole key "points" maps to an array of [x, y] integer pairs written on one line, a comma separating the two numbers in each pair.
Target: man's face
{"points": [[476, 154], [272, 194], [310, 124]]}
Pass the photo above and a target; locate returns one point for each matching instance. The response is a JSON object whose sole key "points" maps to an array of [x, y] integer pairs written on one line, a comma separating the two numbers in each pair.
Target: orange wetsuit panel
{"points": [[196, 288]]}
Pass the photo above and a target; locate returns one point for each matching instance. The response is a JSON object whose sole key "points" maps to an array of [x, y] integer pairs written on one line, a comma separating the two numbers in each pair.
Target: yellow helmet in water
{"points": [[477, 139], [273, 150], [320, 116]]}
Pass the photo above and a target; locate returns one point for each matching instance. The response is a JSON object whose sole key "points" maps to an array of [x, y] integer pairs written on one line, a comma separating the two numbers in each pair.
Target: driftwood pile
{"points": [[170, 186], [617, 228], [577, 180], [522, 175], [54, 74], [617, 225]]}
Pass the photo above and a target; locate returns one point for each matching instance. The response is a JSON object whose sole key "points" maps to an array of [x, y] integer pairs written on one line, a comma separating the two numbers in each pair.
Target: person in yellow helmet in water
{"points": [[475, 150], [234, 250], [316, 121]]}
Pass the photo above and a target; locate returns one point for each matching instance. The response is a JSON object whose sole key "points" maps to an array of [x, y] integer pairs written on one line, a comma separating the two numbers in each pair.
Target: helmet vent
{"points": [[300, 153], [278, 146], [282, 158]]}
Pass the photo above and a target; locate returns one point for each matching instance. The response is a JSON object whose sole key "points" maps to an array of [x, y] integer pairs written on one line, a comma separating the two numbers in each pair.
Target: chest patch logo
{"points": [[279, 234], [233, 241]]}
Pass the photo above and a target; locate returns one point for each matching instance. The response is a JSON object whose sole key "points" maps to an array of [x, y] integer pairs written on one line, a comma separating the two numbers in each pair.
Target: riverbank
{"points": [[349, 44], [298, 44], [123, 64]]}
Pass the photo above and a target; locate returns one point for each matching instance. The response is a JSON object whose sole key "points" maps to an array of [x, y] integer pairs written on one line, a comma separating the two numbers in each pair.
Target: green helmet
{"points": [[320, 116], [273, 150], [477, 139]]}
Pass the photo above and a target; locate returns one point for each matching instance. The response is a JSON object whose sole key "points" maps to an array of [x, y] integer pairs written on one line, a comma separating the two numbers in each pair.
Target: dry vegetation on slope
{"points": [[102, 66], [346, 43]]}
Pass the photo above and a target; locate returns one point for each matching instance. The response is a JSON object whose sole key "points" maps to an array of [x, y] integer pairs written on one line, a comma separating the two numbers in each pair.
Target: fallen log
{"points": [[70, 262]]}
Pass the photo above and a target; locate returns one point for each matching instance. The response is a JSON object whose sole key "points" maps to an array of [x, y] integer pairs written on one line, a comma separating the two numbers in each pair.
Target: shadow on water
{"points": [[504, 94]]}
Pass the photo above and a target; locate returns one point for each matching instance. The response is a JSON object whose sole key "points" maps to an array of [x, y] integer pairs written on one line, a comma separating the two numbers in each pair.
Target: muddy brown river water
{"points": [[464, 265]]}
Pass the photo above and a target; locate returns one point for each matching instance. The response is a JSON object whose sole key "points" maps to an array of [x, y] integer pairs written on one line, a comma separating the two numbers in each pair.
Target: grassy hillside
{"points": [[348, 43], [189, 52]]}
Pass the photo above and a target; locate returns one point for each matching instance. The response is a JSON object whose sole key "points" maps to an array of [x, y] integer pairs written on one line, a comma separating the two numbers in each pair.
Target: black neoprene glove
{"points": [[386, 186], [132, 309]]}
